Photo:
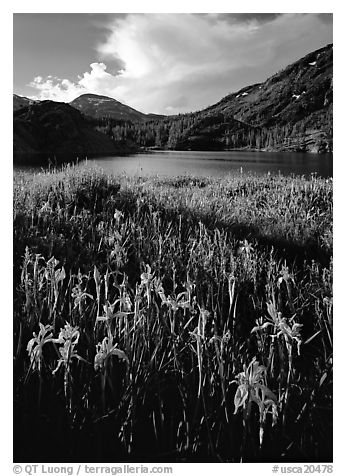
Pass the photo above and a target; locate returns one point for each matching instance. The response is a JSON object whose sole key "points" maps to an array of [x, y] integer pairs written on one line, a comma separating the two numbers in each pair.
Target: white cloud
{"points": [[97, 78], [198, 57], [96, 81], [55, 89]]}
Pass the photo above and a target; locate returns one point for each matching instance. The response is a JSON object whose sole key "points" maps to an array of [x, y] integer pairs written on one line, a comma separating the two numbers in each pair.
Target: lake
{"points": [[211, 163], [217, 164]]}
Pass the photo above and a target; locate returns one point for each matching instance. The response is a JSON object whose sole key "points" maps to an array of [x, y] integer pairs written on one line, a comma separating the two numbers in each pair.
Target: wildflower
{"points": [[172, 303], [52, 262], [226, 337], [125, 302], [221, 340], [46, 208], [109, 313], [68, 337], [117, 253], [285, 275], [118, 215], [104, 351], [291, 333], [78, 294], [146, 280], [182, 300], [252, 388], [35, 345], [50, 267], [245, 247], [178, 302], [147, 277], [68, 333], [60, 275], [189, 286], [159, 289]]}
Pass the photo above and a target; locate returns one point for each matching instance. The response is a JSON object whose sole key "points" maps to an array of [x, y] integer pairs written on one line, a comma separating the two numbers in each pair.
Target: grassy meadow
{"points": [[172, 319]]}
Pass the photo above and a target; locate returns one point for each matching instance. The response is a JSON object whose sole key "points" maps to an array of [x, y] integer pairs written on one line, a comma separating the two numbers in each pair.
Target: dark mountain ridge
{"points": [[21, 101], [105, 107], [52, 130], [99, 107]]}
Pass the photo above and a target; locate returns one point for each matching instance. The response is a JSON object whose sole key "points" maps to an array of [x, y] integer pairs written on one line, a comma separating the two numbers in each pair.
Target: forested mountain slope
{"points": [[292, 110]]}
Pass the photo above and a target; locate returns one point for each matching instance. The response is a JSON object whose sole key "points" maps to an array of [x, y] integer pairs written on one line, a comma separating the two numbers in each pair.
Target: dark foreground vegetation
{"points": [[172, 320]]}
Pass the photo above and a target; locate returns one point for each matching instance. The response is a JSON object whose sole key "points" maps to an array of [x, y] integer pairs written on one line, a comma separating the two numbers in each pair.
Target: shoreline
{"points": [[162, 149]]}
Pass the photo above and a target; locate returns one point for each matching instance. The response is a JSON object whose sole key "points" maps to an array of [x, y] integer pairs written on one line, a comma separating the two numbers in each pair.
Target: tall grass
{"points": [[176, 319]]}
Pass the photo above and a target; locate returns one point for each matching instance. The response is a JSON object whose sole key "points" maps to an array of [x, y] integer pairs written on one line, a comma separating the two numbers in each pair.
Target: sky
{"points": [[160, 63]]}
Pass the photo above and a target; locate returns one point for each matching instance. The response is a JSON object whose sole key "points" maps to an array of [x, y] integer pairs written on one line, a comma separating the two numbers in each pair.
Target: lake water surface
{"points": [[210, 163], [217, 164]]}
